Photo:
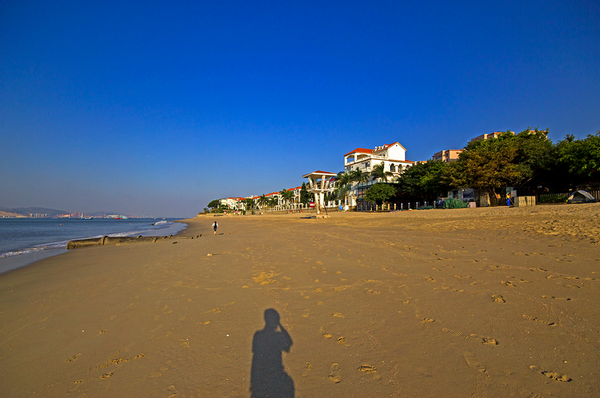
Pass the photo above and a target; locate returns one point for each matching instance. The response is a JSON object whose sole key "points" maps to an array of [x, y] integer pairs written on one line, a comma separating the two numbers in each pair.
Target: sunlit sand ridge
{"points": [[456, 303]]}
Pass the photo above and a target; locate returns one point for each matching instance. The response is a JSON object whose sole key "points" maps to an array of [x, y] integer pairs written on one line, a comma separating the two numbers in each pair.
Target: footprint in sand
{"points": [[341, 340], [306, 313], [307, 368], [551, 375], [367, 369], [474, 337], [334, 373], [73, 358], [338, 315], [473, 362], [557, 298], [508, 283], [463, 277], [452, 289], [106, 376], [489, 341], [427, 320], [429, 279], [536, 319], [173, 391], [498, 298]]}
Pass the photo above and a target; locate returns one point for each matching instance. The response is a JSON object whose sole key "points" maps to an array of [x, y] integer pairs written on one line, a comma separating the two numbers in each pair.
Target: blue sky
{"points": [[156, 108]]}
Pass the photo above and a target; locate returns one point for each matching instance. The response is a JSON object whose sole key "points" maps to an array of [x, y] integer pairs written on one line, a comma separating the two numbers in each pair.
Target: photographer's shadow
{"points": [[268, 377]]}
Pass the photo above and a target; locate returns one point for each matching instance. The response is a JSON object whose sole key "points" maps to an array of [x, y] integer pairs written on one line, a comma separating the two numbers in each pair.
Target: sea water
{"points": [[25, 240]]}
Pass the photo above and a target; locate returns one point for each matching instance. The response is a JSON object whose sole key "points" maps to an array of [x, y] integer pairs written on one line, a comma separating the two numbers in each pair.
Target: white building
{"points": [[393, 156]]}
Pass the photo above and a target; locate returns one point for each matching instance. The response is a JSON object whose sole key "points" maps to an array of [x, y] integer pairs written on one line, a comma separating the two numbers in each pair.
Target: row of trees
{"points": [[528, 161]]}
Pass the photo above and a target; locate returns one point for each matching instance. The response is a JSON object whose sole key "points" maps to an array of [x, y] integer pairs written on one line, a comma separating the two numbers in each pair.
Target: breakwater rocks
{"points": [[118, 240]]}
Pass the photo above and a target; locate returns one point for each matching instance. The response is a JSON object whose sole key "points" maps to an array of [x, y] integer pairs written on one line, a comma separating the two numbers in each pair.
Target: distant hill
{"points": [[8, 214]]}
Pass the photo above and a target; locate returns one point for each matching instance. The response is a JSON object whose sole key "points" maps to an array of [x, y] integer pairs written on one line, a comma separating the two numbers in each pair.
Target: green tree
{"points": [[487, 165], [358, 176], [424, 180], [213, 204], [380, 193], [378, 172], [304, 194], [249, 203], [343, 183], [262, 200], [535, 156], [273, 201], [581, 158], [508, 160], [286, 196]]}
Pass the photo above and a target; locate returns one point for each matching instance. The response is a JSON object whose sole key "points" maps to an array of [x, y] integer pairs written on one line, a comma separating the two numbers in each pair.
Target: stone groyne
{"points": [[117, 240]]}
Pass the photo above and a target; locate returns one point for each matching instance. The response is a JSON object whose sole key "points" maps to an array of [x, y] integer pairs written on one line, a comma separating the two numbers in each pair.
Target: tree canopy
{"points": [[213, 204], [581, 157], [304, 194], [508, 160], [378, 172], [380, 193], [424, 180]]}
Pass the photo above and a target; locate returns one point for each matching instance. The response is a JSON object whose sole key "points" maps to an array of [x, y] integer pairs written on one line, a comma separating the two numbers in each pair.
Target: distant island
{"points": [[42, 212]]}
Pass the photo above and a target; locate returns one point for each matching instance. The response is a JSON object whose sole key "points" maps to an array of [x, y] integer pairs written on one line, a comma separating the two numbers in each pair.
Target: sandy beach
{"points": [[491, 302]]}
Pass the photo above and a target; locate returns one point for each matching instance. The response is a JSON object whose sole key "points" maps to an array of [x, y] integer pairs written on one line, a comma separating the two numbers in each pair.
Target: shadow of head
{"points": [[272, 319], [268, 377]]}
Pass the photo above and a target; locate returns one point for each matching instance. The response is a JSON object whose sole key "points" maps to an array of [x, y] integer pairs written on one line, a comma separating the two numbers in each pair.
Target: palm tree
{"points": [[262, 200], [343, 183], [358, 176], [379, 172], [286, 195], [273, 201], [249, 202]]}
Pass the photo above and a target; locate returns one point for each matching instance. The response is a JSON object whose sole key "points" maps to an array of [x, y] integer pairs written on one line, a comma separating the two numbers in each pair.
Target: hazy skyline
{"points": [[157, 108]]}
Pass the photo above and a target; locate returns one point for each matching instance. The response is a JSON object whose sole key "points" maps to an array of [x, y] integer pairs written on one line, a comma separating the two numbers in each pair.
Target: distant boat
{"points": [[86, 218], [122, 218]]}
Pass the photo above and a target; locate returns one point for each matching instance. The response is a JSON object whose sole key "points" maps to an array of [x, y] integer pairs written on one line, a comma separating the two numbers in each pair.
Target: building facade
{"points": [[393, 157], [447, 155]]}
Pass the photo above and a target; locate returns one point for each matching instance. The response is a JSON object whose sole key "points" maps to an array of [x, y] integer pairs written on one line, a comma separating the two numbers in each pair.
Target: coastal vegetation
{"points": [[527, 161]]}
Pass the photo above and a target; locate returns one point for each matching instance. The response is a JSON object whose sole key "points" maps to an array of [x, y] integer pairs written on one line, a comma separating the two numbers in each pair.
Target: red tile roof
{"points": [[359, 150], [319, 172]]}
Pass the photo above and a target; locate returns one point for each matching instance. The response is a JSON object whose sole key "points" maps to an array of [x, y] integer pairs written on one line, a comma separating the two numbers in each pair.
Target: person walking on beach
{"points": [[215, 225]]}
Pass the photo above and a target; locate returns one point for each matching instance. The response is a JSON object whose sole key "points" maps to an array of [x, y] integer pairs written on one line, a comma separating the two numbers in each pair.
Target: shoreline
{"points": [[491, 302], [13, 262]]}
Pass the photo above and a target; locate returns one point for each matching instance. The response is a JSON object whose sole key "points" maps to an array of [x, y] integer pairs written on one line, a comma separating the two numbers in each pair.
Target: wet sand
{"points": [[491, 302]]}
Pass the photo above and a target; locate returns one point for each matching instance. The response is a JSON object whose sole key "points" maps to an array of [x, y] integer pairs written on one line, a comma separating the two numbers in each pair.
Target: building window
{"points": [[393, 168]]}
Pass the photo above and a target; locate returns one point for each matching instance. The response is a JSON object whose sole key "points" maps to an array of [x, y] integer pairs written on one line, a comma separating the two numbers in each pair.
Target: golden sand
{"points": [[491, 302]]}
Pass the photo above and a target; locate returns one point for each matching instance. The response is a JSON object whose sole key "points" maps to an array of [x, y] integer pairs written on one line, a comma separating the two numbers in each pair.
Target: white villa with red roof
{"points": [[393, 156]]}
